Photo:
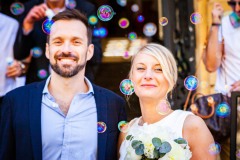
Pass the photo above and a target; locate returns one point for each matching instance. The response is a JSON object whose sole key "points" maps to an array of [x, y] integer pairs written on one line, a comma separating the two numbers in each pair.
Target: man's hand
{"points": [[14, 70], [35, 14], [235, 86], [217, 13]]}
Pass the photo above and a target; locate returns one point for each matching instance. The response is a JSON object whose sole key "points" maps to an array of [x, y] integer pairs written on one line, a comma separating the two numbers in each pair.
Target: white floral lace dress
{"points": [[169, 128]]}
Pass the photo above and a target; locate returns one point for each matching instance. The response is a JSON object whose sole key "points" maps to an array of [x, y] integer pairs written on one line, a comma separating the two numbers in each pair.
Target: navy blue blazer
{"points": [[20, 124]]}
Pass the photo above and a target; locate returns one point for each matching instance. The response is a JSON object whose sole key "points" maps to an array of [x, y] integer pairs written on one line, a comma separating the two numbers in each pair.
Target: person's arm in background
{"points": [[214, 51], [24, 41]]}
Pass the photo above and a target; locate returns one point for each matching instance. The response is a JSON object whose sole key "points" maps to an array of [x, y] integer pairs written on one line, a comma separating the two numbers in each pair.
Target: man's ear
{"points": [[90, 52], [47, 51]]}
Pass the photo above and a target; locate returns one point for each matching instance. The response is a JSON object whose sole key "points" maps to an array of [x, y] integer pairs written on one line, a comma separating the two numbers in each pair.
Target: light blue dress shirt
{"points": [[70, 137]]}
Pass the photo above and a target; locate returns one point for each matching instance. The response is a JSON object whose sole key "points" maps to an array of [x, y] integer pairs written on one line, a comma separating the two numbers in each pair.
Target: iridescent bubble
{"points": [[140, 18], [42, 74], [92, 20], [9, 61], [71, 4], [122, 3], [17, 8], [191, 83], [134, 7], [36, 52], [149, 29], [46, 26], [132, 36], [96, 32], [101, 127], [223, 110], [163, 107], [123, 126], [105, 13], [214, 148], [123, 22], [126, 87], [196, 18], [126, 55], [238, 153], [103, 32], [163, 21]]}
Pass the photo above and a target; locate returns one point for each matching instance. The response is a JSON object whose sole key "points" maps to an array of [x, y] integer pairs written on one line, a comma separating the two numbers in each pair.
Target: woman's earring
{"points": [[126, 87]]}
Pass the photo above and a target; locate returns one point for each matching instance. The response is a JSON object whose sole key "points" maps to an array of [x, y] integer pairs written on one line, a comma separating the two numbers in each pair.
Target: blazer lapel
{"points": [[35, 101], [101, 104]]}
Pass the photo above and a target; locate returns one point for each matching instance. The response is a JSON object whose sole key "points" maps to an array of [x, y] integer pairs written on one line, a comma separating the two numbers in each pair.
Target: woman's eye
{"points": [[159, 69], [140, 68]]}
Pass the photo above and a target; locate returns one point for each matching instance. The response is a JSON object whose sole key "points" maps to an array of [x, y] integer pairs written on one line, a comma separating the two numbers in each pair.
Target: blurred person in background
{"points": [[223, 53], [10, 69], [32, 35]]}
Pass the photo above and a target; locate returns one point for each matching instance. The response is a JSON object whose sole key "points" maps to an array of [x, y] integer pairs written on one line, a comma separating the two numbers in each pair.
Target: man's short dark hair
{"points": [[73, 14]]}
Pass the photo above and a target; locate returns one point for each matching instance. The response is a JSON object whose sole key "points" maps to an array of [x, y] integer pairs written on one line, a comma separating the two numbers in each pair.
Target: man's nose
{"points": [[66, 48]]}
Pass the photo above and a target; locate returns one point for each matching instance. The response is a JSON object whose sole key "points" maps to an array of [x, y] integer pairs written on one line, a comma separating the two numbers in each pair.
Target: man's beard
{"points": [[68, 70]]}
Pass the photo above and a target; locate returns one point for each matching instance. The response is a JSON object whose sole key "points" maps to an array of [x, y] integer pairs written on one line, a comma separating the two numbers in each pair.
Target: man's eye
{"points": [[77, 42], [57, 42]]}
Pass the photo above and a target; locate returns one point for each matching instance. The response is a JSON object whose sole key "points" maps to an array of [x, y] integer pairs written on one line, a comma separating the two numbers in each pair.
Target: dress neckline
{"points": [[158, 122]]}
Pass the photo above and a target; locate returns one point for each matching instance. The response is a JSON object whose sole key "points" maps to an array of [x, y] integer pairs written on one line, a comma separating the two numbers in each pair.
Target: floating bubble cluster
{"points": [[100, 32]]}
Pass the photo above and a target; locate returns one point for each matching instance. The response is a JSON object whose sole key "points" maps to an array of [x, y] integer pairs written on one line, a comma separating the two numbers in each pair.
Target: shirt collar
{"points": [[89, 84]]}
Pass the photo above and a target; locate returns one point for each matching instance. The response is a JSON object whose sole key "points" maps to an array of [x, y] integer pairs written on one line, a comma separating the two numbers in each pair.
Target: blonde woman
{"points": [[154, 74]]}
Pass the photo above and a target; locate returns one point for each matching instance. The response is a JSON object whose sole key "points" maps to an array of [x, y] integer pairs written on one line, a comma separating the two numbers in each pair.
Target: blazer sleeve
{"points": [[122, 113], [7, 142]]}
